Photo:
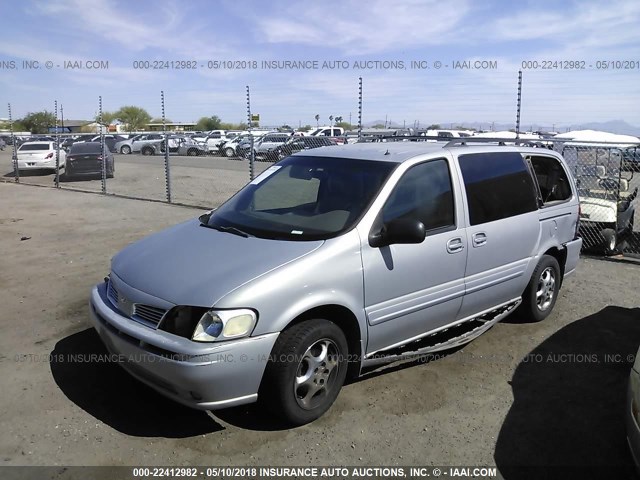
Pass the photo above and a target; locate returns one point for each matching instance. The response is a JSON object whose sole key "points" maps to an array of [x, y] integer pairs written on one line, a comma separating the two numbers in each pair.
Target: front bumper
{"points": [[202, 376]]}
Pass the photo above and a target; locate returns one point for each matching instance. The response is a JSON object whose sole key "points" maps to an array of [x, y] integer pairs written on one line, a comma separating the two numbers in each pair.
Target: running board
{"points": [[463, 332]]}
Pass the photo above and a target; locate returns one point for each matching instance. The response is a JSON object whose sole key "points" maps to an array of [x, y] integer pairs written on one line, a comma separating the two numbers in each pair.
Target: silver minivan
{"points": [[336, 260]]}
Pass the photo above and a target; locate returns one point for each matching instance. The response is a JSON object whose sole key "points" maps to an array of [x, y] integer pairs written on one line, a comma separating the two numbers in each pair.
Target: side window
{"points": [[552, 179], [498, 185], [423, 193]]}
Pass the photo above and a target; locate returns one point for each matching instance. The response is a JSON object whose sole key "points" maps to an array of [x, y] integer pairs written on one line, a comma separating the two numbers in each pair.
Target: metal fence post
{"points": [[14, 154], [519, 104], [359, 108], [249, 123], [57, 178], [167, 172], [104, 160]]}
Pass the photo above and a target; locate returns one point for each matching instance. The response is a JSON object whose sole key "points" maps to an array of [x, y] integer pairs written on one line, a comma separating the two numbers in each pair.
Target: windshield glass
{"points": [[304, 198]]}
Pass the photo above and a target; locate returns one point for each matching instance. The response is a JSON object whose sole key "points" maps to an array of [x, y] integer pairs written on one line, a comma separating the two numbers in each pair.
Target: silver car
{"points": [[335, 260]]}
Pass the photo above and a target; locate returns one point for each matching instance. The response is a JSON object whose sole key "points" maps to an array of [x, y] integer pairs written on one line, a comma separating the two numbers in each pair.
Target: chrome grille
{"points": [[112, 293], [148, 313], [145, 314]]}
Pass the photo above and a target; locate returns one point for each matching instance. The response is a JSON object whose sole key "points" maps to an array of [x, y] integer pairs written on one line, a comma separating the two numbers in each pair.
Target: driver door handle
{"points": [[455, 245]]}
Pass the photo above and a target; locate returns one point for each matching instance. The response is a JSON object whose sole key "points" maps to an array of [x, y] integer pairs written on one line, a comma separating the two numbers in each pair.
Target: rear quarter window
{"points": [[498, 185]]}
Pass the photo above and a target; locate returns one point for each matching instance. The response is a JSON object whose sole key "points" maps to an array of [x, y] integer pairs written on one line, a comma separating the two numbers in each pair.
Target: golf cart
{"points": [[606, 207]]}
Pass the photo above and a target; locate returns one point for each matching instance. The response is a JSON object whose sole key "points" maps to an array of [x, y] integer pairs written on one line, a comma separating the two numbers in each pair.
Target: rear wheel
{"points": [[192, 152], [541, 294], [609, 240], [126, 150], [147, 151], [229, 152], [306, 371]]}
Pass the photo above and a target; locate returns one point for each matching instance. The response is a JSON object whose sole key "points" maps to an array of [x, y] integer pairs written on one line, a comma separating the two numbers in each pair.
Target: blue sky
{"points": [[348, 31]]}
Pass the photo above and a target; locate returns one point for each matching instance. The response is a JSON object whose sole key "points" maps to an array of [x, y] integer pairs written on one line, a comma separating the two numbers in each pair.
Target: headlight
{"points": [[224, 325]]}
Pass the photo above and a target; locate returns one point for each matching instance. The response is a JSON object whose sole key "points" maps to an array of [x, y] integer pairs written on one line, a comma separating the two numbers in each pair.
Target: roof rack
{"points": [[499, 141]]}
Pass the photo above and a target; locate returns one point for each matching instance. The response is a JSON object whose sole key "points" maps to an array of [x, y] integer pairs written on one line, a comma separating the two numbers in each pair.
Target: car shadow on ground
{"points": [[30, 173], [567, 418], [104, 390]]}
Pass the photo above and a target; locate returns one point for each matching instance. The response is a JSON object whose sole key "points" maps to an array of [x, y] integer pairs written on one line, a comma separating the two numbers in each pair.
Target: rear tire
{"points": [[192, 152], [147, 151], [541, 294], [306, 371], [229, 152], [125, 150], [609, 241]]}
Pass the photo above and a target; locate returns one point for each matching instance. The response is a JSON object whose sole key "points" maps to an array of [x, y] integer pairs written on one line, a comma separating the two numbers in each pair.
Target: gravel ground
{"points": [[542, 394]]}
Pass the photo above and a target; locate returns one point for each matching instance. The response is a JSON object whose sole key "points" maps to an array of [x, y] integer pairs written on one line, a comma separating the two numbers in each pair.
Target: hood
{"points": [[193, 265], [590, 203]]}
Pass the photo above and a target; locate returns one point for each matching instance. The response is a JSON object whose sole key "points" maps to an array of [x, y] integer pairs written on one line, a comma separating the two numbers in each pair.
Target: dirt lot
{"points": [[540, 394]]}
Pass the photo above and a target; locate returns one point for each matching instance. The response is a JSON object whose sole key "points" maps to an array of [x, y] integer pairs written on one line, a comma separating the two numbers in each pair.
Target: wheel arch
{"points": [[347, 321], [561, 256]]}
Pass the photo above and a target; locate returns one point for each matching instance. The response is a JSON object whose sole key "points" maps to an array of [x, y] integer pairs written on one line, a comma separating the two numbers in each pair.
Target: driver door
{"points": [[411, 289]]}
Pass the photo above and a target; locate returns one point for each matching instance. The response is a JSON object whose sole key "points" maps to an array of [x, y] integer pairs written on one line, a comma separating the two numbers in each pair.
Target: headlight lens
{"points": [[224, 325]]}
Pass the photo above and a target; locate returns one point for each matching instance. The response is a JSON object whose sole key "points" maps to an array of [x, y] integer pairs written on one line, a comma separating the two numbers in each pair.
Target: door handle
{"points": [[479, 239], [455, 245]]}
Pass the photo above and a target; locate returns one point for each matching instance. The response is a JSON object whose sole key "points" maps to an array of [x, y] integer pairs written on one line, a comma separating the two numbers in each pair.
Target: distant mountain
{"points": [[612, 126]]}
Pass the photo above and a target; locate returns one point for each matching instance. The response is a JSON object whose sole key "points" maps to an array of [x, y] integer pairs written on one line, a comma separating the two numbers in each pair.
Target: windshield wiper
{"points": [[234, 230]]}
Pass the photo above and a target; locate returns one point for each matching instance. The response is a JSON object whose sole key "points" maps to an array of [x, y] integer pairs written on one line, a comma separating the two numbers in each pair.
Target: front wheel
{"points": [[192, 152], [229, 152], [541, 294], [306, 371], [125, 150]]}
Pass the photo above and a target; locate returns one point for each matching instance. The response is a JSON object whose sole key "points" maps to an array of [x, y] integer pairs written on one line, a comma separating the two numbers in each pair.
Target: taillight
{"points": [[49, 156], [99, 157], [578, 221]]}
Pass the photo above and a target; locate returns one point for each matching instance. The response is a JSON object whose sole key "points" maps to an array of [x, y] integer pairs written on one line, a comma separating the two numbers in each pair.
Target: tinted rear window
{"points": [[90, 147], [498, 185], [35, 146]]}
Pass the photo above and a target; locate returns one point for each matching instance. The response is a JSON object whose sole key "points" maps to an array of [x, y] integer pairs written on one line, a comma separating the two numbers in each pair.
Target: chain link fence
{"points": [[178, 165]]}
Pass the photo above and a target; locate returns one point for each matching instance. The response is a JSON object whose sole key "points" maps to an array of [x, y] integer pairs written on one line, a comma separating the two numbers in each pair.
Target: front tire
{"points": [[541, 294], [230, 152], [306, 371], [125, 150], [192, 152]]}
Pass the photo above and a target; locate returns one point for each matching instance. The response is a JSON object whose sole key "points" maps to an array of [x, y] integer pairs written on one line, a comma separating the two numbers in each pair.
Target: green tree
{"points": [[209, 123], [379, 125], [39, 122], [434, 126], [135, 118], [159, 120], [107, 118]]}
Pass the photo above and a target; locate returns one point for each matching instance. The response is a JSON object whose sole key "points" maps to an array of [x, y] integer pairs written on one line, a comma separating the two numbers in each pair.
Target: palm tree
{"points": [[317, 120], [338, 119], [331, 120]]}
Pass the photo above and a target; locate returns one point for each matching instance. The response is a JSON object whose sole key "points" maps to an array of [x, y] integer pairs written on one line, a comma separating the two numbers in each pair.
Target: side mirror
{"points": [[398, 231], [601, 171]]}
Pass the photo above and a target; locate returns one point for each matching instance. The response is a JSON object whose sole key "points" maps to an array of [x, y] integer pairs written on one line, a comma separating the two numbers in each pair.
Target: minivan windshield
{"points": [[303, 198]]}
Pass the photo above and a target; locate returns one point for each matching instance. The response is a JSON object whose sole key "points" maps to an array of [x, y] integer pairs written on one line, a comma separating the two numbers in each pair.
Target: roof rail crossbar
{"points": [[499, 141]]}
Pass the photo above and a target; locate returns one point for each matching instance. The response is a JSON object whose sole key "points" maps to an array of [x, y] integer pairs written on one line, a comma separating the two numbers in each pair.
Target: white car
{"points": [[39, 155]]}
